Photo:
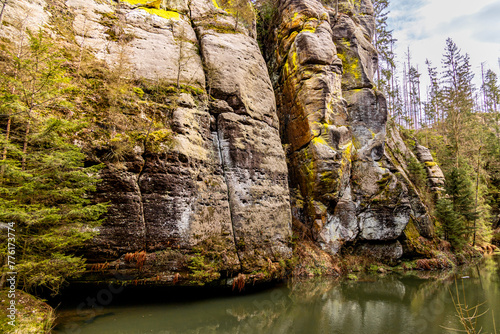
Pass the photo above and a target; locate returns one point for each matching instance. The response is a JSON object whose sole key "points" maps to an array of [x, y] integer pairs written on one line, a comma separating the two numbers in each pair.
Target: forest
{"points": [[458, 121]]}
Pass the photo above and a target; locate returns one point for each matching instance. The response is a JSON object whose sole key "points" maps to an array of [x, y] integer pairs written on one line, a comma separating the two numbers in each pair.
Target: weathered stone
{"points": [[398, 153], [256, 178], [335, 124], [225, 178], [387, 252], [158, 47], [224, 182], [238, 75], [423, 154], [435, 175], [435, 172], [219, 107]]}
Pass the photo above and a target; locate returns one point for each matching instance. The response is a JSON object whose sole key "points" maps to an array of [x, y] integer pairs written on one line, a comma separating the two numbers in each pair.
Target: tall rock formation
{"points": [[347, 186], [223, 187], [224, 184]]}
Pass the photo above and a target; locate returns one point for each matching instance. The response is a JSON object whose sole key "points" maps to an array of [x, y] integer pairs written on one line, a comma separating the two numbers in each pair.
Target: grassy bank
{"points": [[33, 315]]}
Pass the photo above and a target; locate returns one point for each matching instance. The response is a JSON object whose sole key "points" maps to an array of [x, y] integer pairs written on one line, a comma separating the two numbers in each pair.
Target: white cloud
{"points": [[424, 26]]}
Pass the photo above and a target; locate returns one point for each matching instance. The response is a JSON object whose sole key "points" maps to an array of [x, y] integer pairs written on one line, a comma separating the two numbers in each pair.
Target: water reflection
{"points": [[416, 303]]}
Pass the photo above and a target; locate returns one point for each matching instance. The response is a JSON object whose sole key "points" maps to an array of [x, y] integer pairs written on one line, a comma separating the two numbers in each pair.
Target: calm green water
{"points": [[416, 303]]}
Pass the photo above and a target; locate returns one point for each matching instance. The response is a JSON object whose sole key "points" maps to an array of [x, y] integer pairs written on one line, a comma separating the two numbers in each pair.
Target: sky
{"points": [[424, 26]]}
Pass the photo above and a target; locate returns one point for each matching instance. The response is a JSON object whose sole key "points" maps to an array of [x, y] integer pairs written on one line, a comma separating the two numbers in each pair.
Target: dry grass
{"points": [[99, 266], [239, 282], [468, 315], [138, 257]]}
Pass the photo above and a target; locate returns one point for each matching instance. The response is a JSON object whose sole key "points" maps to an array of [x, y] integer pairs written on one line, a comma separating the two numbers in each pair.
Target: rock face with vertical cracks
{"points": [[225, 180], [222, 188], [334, 122]]}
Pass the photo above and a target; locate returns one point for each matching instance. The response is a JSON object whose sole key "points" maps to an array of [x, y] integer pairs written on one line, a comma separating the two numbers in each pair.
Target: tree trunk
{"points": [[237, 17], [25, 145], [4, 4], [4, 153], [7, 135], [477, 191]]}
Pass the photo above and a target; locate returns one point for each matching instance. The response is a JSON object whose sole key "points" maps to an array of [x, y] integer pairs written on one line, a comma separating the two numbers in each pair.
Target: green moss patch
{"points": [[33, 315]]}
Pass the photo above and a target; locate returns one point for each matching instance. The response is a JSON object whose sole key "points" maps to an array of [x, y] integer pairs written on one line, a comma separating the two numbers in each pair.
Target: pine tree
{"points": [[414, 93], [384, 42], [433, 104], [44, 187], [452, 226], [457, 96], [491, 91], [456, 212]]}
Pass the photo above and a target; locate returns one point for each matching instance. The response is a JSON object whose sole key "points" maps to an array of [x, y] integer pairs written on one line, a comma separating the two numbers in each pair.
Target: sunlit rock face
{"points": [[225, 184], [334, 122], [225, 181]]}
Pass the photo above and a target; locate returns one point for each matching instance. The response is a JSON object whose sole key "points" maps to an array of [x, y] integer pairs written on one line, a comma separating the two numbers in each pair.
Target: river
{"points": [[416, 302]]}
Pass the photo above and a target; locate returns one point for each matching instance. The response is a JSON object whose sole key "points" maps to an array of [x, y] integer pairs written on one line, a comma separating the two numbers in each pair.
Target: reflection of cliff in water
{"points": [[417, 302]]}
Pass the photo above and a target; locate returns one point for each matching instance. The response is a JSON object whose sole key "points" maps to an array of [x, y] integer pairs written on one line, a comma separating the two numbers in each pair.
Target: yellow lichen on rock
{"points": [[216, 5], [134, 2], [166, 14], [350, 65], [153, 7]]}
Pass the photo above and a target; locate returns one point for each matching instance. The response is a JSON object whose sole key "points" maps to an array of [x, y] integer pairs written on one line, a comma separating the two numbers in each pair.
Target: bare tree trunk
{"points": [[25, 145], [4, 153], [237, 19], [7, 135], [4, 4], [83, 42], [477, 191]]}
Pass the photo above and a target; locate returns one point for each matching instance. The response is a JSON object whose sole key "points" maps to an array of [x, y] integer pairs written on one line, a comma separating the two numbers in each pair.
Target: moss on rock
{"points": [[33, 315]]}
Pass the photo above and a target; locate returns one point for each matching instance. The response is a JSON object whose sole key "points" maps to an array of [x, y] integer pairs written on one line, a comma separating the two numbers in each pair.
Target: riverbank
{"points": [[36, 316], [311, 261], [407, 302], [31, 316]]}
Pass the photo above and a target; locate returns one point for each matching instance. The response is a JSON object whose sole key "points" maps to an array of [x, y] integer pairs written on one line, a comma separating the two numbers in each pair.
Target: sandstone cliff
{"points": [[349, 185], [224, 196]]}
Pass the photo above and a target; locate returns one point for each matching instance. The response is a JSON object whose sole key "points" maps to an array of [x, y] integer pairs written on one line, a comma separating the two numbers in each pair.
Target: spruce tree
{"points": [[44, 186], [457, 97], [456, 211], [491, 91], [383, 41]]}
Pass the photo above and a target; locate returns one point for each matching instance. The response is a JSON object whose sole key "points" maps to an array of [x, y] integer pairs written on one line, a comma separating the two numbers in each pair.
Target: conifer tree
{"points": [[433, 104], [456, 211], [492, 92], [44, 187], [383, 41], [457, 96]]}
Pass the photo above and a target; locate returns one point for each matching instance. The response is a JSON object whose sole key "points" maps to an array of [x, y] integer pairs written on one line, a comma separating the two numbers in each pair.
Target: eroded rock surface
{"points": [[223, 186], [225, 179], [334, 121]]}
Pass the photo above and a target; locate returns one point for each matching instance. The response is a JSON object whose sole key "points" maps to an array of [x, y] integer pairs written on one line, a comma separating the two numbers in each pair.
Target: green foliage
{"points": [[452, 225], [417, 173], [44, 185], [465, 142], [456, 211], [266, 11], [242, 10], [459, 189]]}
